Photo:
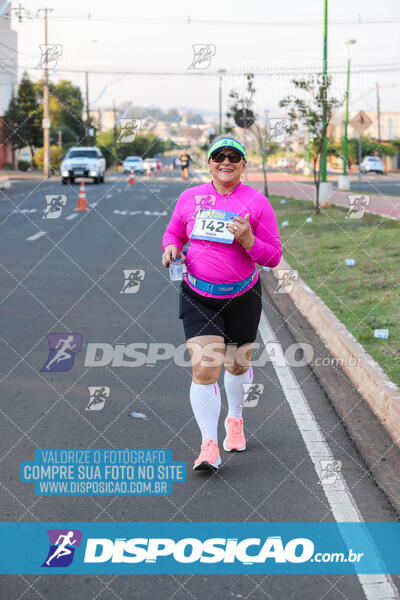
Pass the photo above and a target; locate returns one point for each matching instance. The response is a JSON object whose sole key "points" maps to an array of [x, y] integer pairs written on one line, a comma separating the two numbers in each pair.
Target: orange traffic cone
{"points": [[171, 167], [148, 174], [82, 198], [131, 178]]}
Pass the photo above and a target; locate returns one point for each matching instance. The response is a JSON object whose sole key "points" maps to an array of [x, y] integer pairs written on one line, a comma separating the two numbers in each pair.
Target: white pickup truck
{"points": [[83, 162]]}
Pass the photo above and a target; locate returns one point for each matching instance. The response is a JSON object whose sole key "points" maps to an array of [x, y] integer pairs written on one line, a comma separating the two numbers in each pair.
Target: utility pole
{"points": [[46, 113], [324, 100], [115, 133], [87, 110], [220, 74], [378, 110]]}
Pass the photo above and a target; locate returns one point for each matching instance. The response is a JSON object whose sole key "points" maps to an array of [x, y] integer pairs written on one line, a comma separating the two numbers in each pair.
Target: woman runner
{"points": [[230, 226]]}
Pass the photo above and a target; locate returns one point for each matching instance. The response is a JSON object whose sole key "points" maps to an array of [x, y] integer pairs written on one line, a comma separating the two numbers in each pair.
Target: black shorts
{"points": [[235, 319]]}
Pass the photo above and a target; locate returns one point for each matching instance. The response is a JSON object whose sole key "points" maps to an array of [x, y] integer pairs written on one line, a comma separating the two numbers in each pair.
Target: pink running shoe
{"points": [[234, 439], [209, 458]]}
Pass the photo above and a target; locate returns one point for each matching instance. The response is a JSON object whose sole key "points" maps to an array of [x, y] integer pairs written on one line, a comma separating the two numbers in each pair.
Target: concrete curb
{"points": [[381, 394]]}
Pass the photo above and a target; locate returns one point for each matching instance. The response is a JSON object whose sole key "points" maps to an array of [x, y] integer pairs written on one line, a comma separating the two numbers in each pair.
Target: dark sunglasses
{"points": [[219, 157]]}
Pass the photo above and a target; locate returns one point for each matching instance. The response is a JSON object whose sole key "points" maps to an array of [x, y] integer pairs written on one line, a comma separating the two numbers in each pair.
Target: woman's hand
{"points": [[171, 252], [242, 231]]}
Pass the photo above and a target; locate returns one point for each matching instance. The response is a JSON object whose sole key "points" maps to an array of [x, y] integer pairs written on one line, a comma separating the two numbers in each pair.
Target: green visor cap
{"points": [[227, 142]]}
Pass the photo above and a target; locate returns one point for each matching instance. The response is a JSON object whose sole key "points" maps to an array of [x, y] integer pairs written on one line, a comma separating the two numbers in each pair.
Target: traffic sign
{"points": [[361, 122]]}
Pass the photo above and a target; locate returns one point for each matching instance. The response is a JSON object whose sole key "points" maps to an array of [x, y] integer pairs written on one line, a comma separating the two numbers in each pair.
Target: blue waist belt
{"points": [[221, 288]]}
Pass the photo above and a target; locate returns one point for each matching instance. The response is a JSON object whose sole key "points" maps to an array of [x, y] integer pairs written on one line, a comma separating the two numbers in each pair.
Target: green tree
{"points": [[11, 123], [66, 109], [22, 121], [145, 146], [369, 147], [242, 112], [310, 112], [56, 154]]}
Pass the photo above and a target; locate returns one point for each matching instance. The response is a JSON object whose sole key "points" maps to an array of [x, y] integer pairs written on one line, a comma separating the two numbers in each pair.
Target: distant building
{"points": [[390, 125], [8, 71], [390, 130]]}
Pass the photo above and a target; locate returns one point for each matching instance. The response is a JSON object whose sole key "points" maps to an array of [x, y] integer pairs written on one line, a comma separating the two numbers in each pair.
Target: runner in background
{"points": [[231, 227], [184, 161]]}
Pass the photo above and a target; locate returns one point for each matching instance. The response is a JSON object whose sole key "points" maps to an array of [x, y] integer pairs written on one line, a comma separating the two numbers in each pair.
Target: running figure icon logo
{"points": [[50, 54], [252, 393], [128, 130], [203, 201], [62, 547], [357, 206], [133, 279], [203, 54], [62, 351], [330, 470], [278, 129], [97, 397], [287, 279], [54, 206]]}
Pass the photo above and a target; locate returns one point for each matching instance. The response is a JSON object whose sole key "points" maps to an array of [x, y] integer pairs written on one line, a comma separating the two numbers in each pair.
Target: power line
{"points": [[359, 20], [364, 69]]}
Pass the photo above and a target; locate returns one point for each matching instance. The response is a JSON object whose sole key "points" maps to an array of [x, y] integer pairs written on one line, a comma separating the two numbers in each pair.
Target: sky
{"points": [[271, 38]]}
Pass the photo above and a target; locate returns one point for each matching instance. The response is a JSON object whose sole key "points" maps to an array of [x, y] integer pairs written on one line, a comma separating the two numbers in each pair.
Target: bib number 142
{"points": [[210, 225]]}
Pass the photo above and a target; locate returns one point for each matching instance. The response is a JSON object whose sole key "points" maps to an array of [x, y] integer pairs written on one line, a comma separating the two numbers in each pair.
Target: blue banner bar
{"points": [[192, 548]]}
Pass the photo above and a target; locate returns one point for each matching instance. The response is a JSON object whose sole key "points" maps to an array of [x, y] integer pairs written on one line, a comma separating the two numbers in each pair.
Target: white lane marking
{"points": [[72, 216], [341, 501], [36, 236]]}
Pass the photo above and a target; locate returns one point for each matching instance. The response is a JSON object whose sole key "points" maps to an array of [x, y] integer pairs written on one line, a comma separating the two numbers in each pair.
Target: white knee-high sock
{"points": [[206, 405], [235, 392]]}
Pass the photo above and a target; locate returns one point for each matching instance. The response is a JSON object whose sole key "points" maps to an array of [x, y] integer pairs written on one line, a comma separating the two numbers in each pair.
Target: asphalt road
{"points": [[371, 183], [69, 279]]}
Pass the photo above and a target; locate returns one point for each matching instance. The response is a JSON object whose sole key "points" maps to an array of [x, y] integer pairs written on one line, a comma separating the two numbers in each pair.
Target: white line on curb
{"points": [[36, 236], [70, 217], [341, 501]]}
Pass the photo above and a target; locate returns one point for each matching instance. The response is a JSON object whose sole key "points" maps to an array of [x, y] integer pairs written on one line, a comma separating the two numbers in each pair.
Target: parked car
{"points": [[83, 162], [286, 163], [150, 164], [371, 163], [135, 163]]}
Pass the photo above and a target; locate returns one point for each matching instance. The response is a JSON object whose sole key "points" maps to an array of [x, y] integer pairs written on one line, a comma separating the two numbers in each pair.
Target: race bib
{"points": [[210, 225]]}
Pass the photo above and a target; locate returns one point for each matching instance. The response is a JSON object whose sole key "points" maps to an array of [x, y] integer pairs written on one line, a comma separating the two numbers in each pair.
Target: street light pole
{"points": [[324, 101], [87, 110], [346, 120], [348, 44], [220, 73], [46, 112], [378, 110]]}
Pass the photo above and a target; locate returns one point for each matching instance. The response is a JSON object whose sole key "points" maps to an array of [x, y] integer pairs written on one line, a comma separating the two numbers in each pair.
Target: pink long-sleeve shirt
{"points": [[215, 261]]}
